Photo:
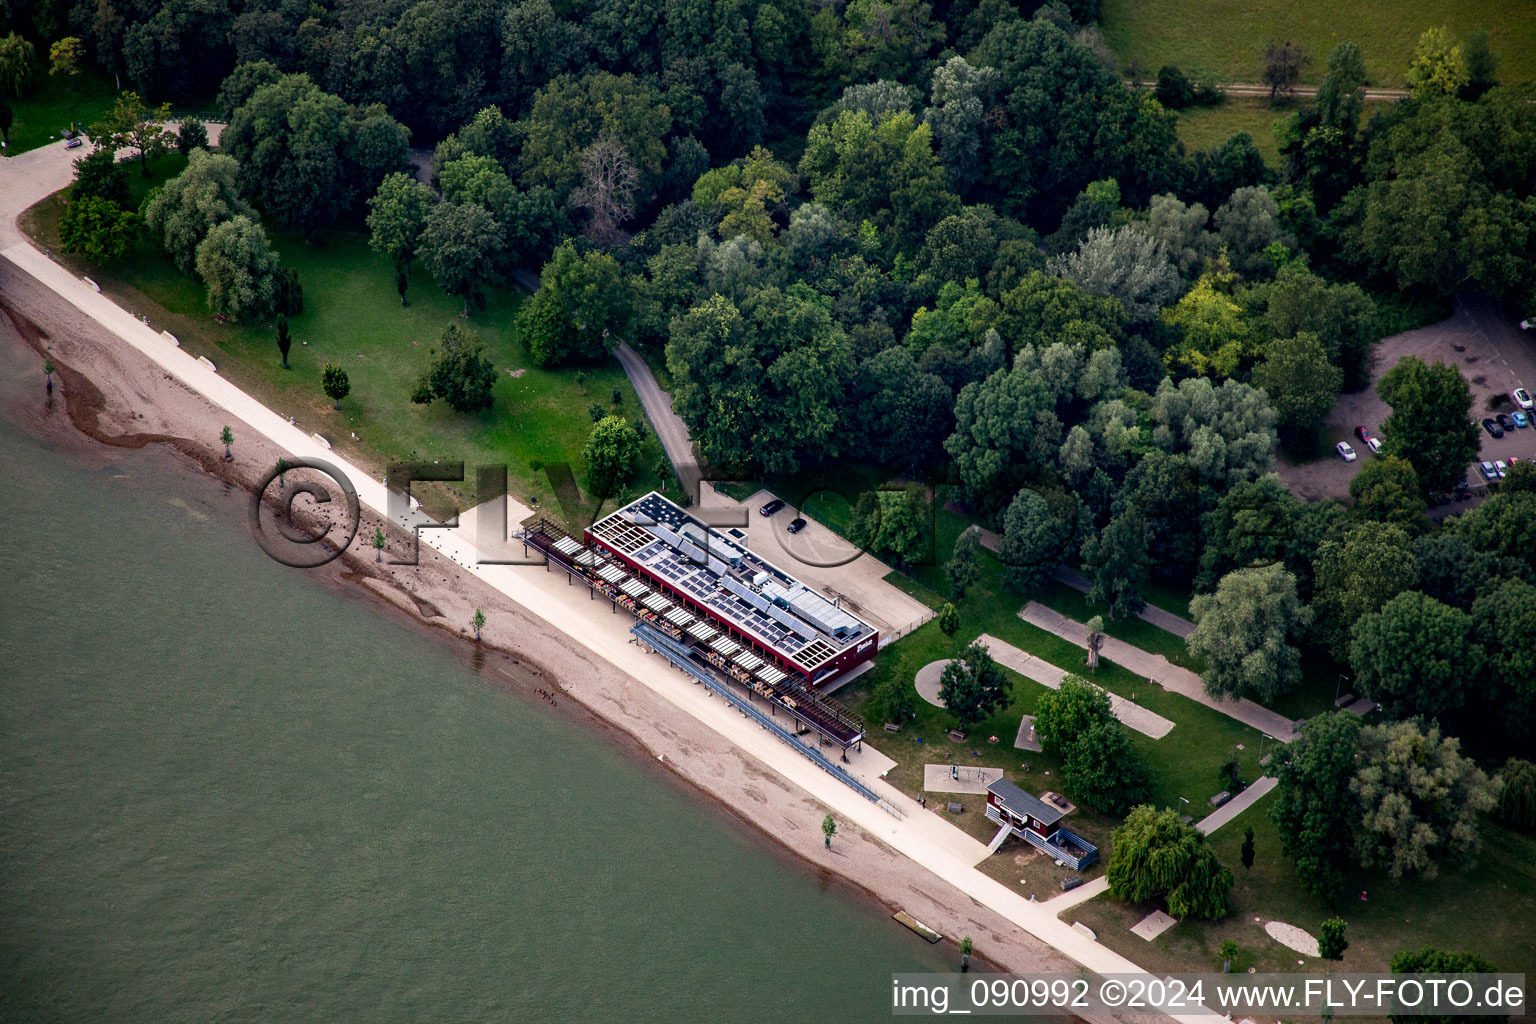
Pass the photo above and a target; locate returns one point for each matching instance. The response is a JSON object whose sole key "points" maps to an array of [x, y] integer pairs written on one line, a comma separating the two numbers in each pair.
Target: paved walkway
{"points": [[925, 838], [1237, 805], [1161, 671], [1144, 721]]}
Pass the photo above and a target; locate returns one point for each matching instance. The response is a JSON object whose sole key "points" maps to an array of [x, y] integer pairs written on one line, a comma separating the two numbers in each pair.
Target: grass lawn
{"points": [[1488, 908], [1227, 36], [53, 104], [353, 316], [1203, 129]]}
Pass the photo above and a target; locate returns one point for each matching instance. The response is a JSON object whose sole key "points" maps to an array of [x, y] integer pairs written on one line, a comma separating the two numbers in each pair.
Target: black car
{"points": [[772, 507], [1494, 430], [796, 525], [1505, 420]]}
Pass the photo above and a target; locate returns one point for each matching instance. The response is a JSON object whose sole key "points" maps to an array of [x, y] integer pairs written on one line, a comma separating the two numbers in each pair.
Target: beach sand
{"points": [[115, 396]]}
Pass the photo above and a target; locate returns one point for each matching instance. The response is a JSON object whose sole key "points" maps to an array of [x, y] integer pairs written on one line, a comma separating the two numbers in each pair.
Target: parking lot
{"points": [[1493, 354]]}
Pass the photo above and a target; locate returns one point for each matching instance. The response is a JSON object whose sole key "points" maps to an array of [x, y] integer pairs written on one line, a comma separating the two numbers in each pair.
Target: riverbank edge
{"points": [[91, 415]]}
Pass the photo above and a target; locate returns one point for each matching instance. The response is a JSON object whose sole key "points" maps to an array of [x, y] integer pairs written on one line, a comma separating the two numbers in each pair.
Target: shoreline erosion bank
{"points": [[116, 396]]}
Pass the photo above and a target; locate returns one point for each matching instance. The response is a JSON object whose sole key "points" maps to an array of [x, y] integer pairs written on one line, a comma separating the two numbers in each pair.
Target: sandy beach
{"points": [[115, 396]]}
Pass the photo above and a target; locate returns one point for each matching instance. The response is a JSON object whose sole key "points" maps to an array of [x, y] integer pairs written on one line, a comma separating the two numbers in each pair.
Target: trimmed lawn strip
{"points": [[54, 103]]}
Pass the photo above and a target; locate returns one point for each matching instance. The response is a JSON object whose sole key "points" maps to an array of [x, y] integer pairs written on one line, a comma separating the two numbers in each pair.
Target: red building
{"points": [[755, 604]]}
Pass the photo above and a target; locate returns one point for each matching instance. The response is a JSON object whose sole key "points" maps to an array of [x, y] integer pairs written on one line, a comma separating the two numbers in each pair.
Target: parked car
{"points": [[1505, 420], [1528, 325], [72, 143], [1488, 470], [1463, 489], [1494, 430], [1522, 398], [796, 525], [771, 507], [1502, 468], [1368, 439], [1521, 418], [1345, 451]]}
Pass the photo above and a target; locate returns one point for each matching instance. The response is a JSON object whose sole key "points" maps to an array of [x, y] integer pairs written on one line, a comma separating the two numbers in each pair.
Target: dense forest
{"points": [[949, 240]]}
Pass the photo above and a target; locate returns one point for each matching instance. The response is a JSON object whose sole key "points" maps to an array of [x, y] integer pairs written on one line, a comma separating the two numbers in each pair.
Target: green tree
{"points": [[1342, 316], [284, 338], [334, 382], [1301, 384], [1429, 425], [98, 229], [893, 700], [478, 622], [949, 620], [612, 455], [18, 60], [966, 946], [1438, 961], [1154, 855], [460, 374], [1040, 534], [1517, 798], [1102, 770], [182, 212], [973, 687], [1331, 942], [191, 135], [1482, 65], [1115, 561], [132, 124], [1003, 425], [582, 306], [1419, 799], [1248, 850], [397, 218], [227, 438], [1246, 632], [892, 523], [569, 114], [459, 244], [64, 58], [1227, 431], [964, 566], [237, 264], [378, 544], [48, 371], [1066, 713], [1504, 620], [1355, 576], [1387, 490], [1315, 810], [1215, 339], [1416, 656], [903, 412], [828, 829], [1438, 67]]}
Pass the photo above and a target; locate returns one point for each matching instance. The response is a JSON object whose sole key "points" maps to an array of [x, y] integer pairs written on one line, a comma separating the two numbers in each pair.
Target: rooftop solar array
{"points": [[720, 573]]}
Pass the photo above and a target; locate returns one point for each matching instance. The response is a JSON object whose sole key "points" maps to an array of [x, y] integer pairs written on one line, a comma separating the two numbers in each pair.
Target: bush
{"points": [[1174, 89]]}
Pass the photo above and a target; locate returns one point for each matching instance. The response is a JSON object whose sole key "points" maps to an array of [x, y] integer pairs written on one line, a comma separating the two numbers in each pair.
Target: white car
{"points": [[1528, 325], [1502, 468], [1522, 398], [1345, 451]]}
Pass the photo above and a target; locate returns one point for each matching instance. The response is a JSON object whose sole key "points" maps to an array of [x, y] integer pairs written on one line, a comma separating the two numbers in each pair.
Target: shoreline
{"points": [[104, 399]]}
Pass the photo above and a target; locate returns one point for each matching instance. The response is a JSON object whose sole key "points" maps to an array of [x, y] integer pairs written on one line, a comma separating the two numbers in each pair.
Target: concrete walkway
{"points": [[925, 838], [1161, 671], [1237, 805], [928, 680], [1134, 716]]}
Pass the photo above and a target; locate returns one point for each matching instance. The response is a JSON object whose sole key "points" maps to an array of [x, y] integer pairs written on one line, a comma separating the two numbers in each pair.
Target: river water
{"points": [[229, 792]]}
